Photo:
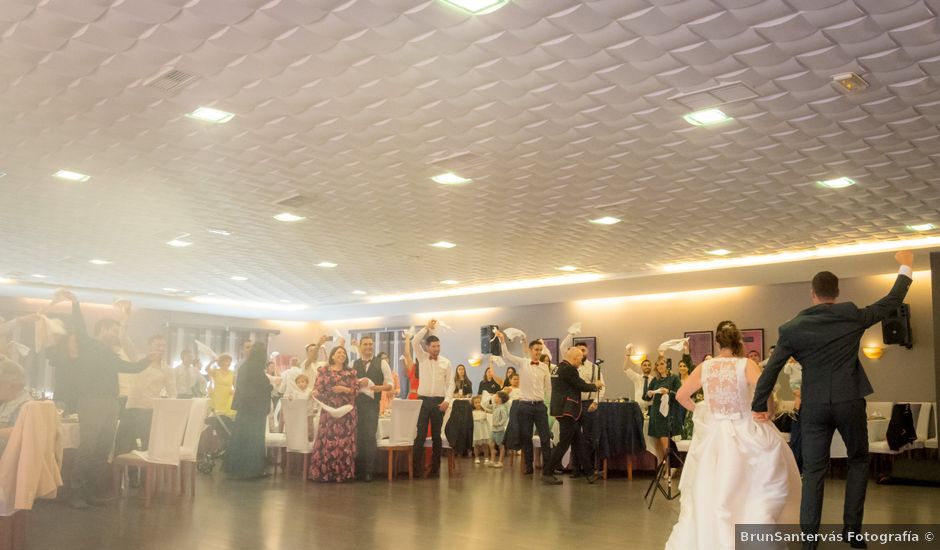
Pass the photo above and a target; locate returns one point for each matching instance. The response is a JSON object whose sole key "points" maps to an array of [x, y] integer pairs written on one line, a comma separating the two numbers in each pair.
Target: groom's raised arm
{"points": [[876, 312], [768, 378]]}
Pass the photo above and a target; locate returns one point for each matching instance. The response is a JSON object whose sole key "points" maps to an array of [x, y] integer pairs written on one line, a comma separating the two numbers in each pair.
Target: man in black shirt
{"points": [[96, 387]]}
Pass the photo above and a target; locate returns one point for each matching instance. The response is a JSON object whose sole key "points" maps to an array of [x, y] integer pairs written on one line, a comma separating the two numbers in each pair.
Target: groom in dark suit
{"points": [[825, 340]]}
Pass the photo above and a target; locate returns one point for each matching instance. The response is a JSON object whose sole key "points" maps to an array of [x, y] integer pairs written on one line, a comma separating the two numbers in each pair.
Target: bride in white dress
{"points": [[738, 470]]}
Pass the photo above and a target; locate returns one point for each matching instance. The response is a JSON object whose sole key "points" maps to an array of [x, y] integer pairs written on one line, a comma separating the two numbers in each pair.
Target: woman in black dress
{"points": [[463, 387], [489, 383], [663, 427], [245, 454], [507, 381]]}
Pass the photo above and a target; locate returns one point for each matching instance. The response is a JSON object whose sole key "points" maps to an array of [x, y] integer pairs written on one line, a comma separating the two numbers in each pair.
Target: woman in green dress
{"points": [[662, 427], [245, 453]]}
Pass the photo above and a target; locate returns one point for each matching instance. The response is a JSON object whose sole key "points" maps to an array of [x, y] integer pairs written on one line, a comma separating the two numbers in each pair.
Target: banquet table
{"points": [[621, 432]]}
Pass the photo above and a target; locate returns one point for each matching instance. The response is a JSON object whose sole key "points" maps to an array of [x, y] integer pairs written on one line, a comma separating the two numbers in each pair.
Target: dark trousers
{"points": [[571, 436], [534, 413], [589, 434], [796, 440], [367, 423], [98, 422], [818, 421], [430, 414], [135, 424]]}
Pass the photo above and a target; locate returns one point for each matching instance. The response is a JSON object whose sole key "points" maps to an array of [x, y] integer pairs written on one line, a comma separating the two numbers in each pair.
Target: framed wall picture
{"points": [[591, 342], [754, 341], [551, 345], [701, 343]]}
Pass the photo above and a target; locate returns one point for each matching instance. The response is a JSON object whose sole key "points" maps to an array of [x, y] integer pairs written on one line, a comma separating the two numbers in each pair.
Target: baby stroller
{"points": [[213, 441]]}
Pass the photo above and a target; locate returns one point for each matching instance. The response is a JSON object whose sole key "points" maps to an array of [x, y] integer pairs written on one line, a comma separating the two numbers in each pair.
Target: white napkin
{"points": [[46, 331], [367, 389], [575, 329], [675, 345], [629, 348], [514, 334], [486, 398], [203, 348], [664, 405], [339, 335], [445, 326], [335, 412], [498, 361], [409, 332]]}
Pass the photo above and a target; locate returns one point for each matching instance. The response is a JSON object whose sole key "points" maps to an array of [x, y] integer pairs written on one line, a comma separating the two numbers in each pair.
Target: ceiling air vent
{"points": [[171, 81], [713, 97], [295, 201]]}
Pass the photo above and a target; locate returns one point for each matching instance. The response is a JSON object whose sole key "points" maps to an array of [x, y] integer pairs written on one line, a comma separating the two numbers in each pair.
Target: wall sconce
{"points": [[873, 352], [475, 361], [637, 358]]}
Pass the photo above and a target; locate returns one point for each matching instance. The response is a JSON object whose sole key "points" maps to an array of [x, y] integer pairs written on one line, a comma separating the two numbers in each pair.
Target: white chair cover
{"points": [[922, 424], [403, 423], [194, 429], [29, 467], [170, 417], [882, 408], [295, 425]]}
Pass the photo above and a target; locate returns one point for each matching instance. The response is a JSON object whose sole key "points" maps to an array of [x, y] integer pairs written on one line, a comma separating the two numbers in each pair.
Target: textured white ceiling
{"points": [[565, 106]]}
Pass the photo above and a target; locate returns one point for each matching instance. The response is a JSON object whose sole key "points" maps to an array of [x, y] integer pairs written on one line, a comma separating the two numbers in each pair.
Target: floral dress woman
{"points": [[334, 453]]}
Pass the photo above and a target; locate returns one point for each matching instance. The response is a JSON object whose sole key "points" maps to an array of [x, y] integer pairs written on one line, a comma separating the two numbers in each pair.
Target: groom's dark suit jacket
{"points": [[825, 340]]}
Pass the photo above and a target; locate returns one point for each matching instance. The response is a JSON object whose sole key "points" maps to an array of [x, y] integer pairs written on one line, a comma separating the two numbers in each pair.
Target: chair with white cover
{"points": [[29, 469], [296, 430], [276, 441], [188, 453], [880, 409], [922, 424], [931, 442], [878, 443], [403, 429], [170, 417]]}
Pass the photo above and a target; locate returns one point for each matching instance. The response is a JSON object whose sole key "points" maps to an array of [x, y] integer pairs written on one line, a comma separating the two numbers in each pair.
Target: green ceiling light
{"points": [[477, 7]]}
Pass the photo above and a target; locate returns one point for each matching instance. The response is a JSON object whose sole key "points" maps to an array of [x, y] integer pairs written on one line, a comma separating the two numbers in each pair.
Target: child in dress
{"points": [[303, 392], [482, 442], [500, 410]]}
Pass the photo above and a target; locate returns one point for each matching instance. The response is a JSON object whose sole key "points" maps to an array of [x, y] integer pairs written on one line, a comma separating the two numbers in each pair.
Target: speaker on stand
{"points": [[489, 344], [896, 327]]}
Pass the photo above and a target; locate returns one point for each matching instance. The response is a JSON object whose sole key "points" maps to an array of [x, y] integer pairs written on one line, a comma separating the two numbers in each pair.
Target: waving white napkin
{"points": [[367, 389], [203, 348], [409, 332], [675, 345], [664, 405], [629, 348], [338, 412], [445, 326], [514, 334], [486, 398], [575, 329], [46, 331]]}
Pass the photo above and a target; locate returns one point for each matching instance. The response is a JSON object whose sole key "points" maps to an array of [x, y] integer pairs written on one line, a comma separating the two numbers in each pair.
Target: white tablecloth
{"points": [[385, 427]]}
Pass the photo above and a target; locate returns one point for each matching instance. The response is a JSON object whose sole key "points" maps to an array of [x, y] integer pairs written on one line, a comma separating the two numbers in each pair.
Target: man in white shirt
{"points": [[377, 371], [641, 379], [535, 386], [155, 381], [189, 381], [436, 393]]}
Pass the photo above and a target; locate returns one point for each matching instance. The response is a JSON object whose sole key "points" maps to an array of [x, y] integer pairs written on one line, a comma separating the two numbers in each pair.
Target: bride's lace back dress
{"points": [[737, 471]]}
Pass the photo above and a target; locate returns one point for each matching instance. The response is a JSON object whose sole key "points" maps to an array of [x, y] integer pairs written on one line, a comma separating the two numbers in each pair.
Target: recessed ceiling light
{"points": [[326, 264], [850, 82], [443, 244], [450, 282], [99, 262], [450, 178], [179, 243], [719, 252], [707, 117], [170, 289], [359, 292], [567, 268], [238, 278], [477, 7], [38, 276], [6, 281], [208, 114], [606, 220], [71, 176], [288, 217], [222, 232], [837, 183], [2, 174], [922, 227]]}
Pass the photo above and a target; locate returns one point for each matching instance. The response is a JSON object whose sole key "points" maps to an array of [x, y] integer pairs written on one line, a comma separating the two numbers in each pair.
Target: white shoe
{"points": [[476, 460], [487, 462], [497, 464]]}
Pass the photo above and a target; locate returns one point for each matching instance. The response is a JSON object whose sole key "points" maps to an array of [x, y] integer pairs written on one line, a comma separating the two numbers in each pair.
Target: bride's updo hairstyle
{"points": [[728, 336]]}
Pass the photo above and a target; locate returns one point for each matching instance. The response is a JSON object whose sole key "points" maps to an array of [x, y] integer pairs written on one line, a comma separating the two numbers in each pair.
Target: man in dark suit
{"points": [[567, 387], [825, 340]]}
